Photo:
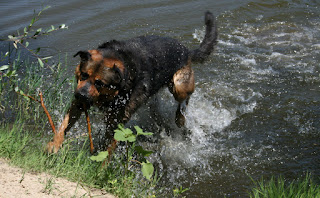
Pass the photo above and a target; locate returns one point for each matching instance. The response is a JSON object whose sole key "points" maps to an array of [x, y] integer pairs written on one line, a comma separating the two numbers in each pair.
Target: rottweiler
{"points": [[120, 76]]}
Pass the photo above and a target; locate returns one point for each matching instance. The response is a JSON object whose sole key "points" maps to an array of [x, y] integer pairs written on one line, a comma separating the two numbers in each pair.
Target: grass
{"points": [[30, 78], [25, 150], [279, 188]]}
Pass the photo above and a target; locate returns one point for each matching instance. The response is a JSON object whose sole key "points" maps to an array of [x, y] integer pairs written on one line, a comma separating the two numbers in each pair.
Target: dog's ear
{"points": [[84, 55]]}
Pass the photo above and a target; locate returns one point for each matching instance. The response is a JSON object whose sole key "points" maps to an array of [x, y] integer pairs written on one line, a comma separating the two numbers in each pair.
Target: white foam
{"points": [[226, 43], [276, 54], [248, 61], [316, 46], [268, 71], [206, 119], [259, 17], [199, 34]]}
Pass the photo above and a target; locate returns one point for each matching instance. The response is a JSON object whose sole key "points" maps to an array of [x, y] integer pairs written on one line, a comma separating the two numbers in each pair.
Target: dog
{"points": [[119, 76]]}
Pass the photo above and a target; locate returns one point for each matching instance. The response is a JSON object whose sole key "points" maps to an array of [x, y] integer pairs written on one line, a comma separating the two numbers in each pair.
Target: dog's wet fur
{"points": [[120, 76]]}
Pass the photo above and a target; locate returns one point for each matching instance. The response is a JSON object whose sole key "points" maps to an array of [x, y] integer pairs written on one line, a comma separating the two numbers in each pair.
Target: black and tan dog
{"points": [[120, 76]]}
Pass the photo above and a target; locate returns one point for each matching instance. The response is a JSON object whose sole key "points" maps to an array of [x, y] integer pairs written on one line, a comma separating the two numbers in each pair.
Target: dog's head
{"points": [[99, 78]]}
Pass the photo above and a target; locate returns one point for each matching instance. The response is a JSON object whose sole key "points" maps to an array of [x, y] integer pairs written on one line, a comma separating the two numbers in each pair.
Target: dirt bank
{"points": [[16, 183]]}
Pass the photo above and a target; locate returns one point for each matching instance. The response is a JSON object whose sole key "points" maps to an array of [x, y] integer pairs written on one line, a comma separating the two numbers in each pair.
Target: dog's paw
{"points": [[126, 117], [180, 120], [52, 148]]}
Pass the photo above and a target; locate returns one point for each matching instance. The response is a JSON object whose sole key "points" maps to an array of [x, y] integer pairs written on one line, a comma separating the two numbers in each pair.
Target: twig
{"points": [[89, 128], [43, 106], [28, 96], [110, 149], [24, 37], [52, 124], [34, 54], [47, 113]]}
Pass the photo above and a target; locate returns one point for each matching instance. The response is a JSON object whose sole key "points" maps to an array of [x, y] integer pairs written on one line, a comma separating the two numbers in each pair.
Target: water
{"points": [[255, 111]]}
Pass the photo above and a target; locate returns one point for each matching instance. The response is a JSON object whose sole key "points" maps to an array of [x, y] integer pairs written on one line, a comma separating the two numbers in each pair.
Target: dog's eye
{"points": [[84, 76], [99, 83]]}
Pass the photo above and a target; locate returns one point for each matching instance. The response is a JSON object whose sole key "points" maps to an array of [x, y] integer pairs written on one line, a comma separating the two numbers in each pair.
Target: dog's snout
{"points": [[79, 95], [82, 94]]}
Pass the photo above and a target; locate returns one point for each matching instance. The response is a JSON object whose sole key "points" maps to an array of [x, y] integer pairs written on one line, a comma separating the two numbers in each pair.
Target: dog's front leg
{"points": [[139, 96], [69, 120]]}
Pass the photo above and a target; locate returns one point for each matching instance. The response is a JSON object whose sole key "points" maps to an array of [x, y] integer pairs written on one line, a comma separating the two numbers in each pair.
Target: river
{"points": [[256, 109]]}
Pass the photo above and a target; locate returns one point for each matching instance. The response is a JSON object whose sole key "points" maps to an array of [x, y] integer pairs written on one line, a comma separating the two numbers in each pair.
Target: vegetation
{"points": [[126, 135], [24, 148], [277, 188]]}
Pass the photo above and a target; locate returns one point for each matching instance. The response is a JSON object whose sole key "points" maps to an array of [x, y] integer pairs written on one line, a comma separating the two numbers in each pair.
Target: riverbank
{"points": [[17, 182]]}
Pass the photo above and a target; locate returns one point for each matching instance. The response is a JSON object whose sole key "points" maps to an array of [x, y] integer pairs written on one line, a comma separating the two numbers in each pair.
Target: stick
{"points": [[89, 128], [28, 96], [112, 147], [110, 150], [50, 119], [43, 106], [47, 113]]}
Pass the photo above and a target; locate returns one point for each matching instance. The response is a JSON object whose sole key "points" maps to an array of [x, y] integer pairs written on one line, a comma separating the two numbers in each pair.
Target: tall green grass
{"points": [[25, 150], [30, 78], [279, 188]]}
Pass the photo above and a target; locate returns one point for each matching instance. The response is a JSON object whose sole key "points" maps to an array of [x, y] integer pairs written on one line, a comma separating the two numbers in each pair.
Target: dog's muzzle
{"points": [[82, 95]]}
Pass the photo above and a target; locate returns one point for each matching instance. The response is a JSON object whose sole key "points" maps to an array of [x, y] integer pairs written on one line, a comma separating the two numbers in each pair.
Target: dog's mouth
{"points": [[83, 99], [83, 94]]}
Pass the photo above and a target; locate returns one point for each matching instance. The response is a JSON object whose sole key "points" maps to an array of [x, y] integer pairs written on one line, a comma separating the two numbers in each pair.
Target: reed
{"points": [[278, 187]]}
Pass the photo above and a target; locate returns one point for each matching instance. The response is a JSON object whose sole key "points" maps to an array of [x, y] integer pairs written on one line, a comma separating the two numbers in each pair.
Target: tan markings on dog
{"points": [[77, 72], [90, 72], [93, 91], [81, 84], [183, 83], [96, 55], [110, 92], [110, 62]]}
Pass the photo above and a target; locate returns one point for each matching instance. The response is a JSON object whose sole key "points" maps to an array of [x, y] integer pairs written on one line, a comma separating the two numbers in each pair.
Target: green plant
{"points": [[24, 148], [278, 187], [8, 71], [29, 33], [177, 192], [32, 72], [126, 135], [49, 186]]}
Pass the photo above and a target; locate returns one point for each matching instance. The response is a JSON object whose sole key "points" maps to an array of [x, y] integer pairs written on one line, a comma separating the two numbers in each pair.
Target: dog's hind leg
{"points": [[182, 86]]}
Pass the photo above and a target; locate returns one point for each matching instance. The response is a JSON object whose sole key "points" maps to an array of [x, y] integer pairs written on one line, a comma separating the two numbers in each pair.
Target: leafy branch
{"points": [[126, 135], [28, 33]]}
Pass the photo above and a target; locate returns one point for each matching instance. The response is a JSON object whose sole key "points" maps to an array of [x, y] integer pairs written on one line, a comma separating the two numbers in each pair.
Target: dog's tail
{"points": [[209, 41]]}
